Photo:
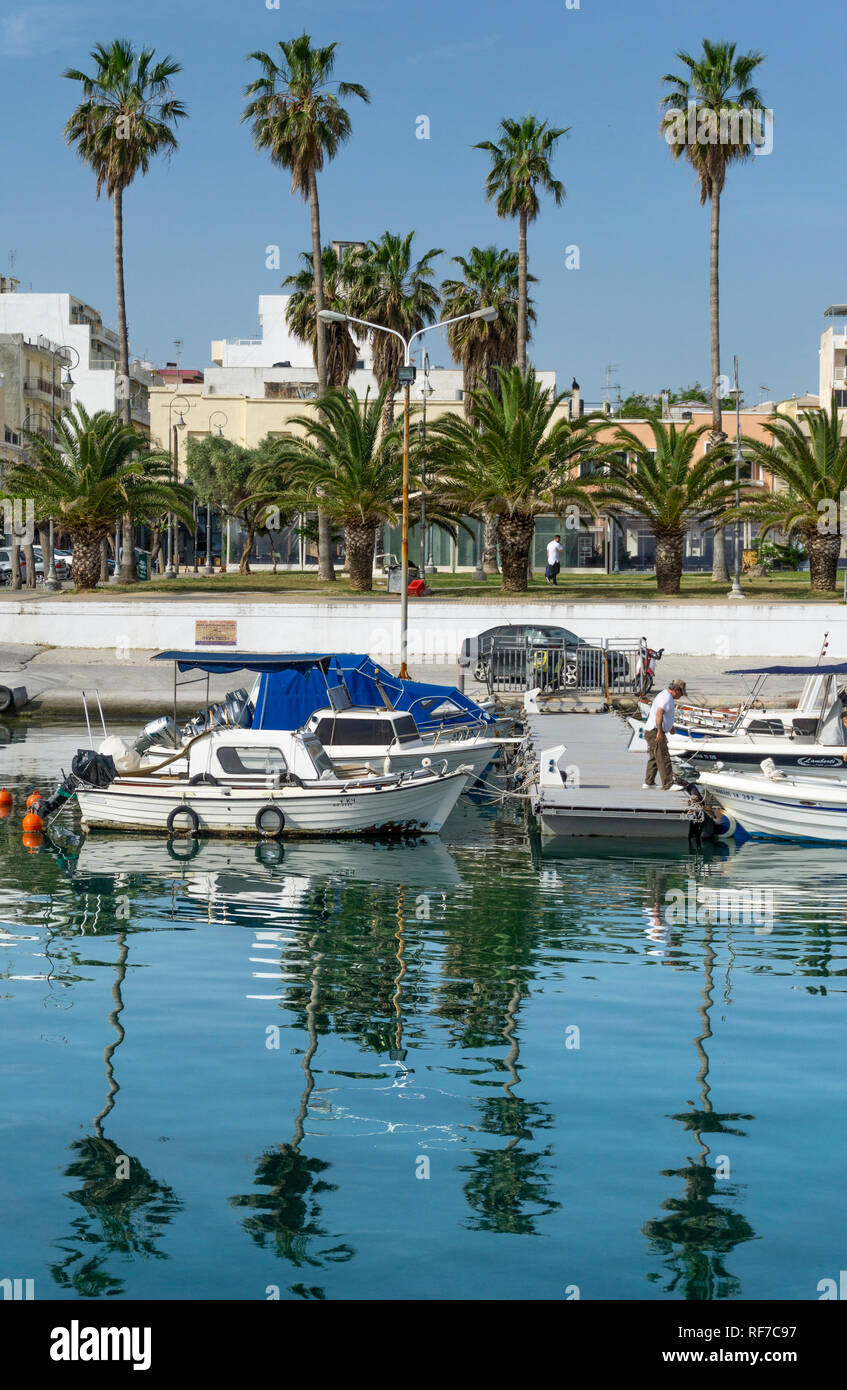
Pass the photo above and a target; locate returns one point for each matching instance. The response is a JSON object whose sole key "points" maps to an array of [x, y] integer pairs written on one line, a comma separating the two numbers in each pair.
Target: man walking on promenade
{"points": [[659, 725], [554, 550]]}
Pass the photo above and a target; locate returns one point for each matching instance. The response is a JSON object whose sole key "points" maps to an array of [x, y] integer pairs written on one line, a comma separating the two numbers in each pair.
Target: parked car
{"points": [[523, 654], [6, 564]]}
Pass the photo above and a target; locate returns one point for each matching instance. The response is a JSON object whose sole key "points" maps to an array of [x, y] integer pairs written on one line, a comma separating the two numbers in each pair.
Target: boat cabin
{"points": [[362, 729], [259, 756]]}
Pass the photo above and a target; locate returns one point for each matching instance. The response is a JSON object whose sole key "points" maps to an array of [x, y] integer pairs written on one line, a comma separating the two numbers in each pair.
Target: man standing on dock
{"points": [[659, 725]]}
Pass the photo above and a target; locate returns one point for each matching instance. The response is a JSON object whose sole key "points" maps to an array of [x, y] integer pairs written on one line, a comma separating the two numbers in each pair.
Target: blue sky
{"points": [[196, 229]]}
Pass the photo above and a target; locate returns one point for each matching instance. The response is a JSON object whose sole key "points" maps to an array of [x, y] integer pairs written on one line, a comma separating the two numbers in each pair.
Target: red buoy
{"points": [[5, 797], [34, 796], [32, 821]]}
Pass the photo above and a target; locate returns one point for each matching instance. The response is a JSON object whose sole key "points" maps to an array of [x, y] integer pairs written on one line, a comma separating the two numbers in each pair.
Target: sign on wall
{"points": [[212, 632]]}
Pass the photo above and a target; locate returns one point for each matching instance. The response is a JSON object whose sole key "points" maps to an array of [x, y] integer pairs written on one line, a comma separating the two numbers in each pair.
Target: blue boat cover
{"points": [[224, 663], [287, 697], [838, 668]]}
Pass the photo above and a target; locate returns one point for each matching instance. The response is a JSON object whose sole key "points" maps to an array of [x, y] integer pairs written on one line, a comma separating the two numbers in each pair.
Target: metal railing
{"points": [[612, 667]]}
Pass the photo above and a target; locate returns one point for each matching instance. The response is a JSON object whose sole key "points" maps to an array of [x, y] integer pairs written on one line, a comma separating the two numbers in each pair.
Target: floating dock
{"points": [[588, 783]]}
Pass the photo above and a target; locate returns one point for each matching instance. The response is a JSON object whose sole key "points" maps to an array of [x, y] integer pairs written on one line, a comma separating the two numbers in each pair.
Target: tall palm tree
{"points": [[127, 115], [301, 314], [301, 124], [349, 465], [490, 277], [520, 166], [713, 98], [809, 457], [668, 488], [389, 288], [96, 470], [510, 460]]}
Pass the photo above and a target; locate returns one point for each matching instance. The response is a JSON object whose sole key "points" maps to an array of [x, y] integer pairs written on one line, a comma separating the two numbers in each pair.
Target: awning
{"points": [[224, 663], [838, 668]]}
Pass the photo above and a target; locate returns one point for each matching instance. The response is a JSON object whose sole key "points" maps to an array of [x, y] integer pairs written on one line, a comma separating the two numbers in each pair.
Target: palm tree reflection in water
{"points": [[696, 1236], [124, 1208]]}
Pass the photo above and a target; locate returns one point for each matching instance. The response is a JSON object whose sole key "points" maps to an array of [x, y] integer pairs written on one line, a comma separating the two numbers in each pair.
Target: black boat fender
{"points": [[269, 810], [183, 810]]}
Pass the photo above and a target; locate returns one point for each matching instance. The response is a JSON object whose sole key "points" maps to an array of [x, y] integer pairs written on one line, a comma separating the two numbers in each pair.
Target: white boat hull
{"points": [[419, 806], [790, 808]]}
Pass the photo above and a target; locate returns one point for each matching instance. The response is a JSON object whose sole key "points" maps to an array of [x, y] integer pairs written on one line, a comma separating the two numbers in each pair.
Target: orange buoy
{"points": [[33, 796], [32, 840], [32, 821], [4, 810], [5, 797]]}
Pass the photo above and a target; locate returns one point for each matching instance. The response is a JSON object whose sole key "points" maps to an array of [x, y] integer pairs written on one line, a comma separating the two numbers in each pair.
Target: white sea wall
{"points": [[436, 629]]}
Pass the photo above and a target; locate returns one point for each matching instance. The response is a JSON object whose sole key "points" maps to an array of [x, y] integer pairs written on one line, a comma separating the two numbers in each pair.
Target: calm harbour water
{"points": [[463, 1067]]}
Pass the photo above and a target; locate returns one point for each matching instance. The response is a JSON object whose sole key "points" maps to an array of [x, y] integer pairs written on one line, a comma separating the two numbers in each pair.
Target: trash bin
{"points": [[142, 563], [395, 577]]}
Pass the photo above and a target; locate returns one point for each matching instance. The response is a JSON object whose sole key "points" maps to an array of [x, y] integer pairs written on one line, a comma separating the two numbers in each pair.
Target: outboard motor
{"points": [[161, 730], [88, 769], [239, 709], [234, 711]]}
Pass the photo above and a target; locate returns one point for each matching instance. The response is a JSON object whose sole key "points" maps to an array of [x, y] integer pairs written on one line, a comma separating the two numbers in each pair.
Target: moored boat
{"points": [[772, 804]]}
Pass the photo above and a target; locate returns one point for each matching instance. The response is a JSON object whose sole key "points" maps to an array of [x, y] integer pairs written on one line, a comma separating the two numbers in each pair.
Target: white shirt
{"points": [[554, 550], [664, 700]]}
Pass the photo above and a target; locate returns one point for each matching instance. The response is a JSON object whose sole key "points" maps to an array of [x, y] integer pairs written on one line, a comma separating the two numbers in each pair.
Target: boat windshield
{"points": [[406, 730], [317, 753]]}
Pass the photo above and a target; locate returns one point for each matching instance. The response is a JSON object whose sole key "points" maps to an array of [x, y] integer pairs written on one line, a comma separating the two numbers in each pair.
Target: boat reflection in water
{"points": [[123, 1209]]}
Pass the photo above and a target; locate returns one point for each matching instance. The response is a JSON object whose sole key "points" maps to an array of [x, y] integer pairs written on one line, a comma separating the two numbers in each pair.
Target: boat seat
{"points": [[806, 727], [769, 726]]}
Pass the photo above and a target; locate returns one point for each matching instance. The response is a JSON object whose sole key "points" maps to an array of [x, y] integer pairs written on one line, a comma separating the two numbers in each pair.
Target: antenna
{"points": [[610, 385], [12, 255], [763, 393]]}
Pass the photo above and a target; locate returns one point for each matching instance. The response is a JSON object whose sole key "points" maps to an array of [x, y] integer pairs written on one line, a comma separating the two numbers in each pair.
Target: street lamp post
{"points": [[426, 536], [173, 450], [405, 376], [208, 567], [50, 579], [736, 591]]}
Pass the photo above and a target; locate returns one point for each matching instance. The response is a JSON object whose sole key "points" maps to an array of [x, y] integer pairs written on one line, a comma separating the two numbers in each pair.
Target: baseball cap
{"points": [[677, 685]]}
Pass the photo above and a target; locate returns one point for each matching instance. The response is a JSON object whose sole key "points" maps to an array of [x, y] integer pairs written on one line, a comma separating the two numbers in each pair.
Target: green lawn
{"points": [[572, 588]]}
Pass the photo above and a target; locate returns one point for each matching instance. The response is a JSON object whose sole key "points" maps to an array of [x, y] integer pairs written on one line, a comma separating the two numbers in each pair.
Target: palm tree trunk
{"points": [[720, 573], [325, 566], [516, 533], [489, 548], [823, 560], [360, 543], [669, 563], [29, 560], [16, 563], [87, 558], [104, 561], [522, 294], [128, 569]]}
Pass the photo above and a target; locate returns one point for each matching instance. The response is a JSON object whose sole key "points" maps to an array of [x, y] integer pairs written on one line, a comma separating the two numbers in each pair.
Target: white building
{"points": [[276, 365], [63, 320], [833, 358]]}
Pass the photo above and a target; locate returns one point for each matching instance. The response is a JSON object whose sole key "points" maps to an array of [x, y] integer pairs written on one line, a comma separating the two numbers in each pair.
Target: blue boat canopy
{"points": [[837, 668], [224, 663], [287, 697]]}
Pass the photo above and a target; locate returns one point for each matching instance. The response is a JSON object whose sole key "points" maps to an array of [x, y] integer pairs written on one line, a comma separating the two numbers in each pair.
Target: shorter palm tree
{"points": [[512, 462], [345, 465], [809, 458], [669, 488], [302, 320], [97, 470]]}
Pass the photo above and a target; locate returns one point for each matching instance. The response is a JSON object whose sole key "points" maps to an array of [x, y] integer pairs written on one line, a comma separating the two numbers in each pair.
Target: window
{"points": [[372, 733], [249, 760], [406, 730]]}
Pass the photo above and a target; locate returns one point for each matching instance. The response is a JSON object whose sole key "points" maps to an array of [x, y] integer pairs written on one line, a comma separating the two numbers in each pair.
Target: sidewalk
{"points": [[137, 688]]}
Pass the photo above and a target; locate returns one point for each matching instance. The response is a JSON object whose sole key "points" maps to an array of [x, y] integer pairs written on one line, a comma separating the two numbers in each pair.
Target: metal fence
{"points": [[613, 667]]}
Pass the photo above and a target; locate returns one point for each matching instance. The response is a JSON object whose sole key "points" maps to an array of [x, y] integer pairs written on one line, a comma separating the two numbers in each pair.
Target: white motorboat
{"points": [[311, 691], [270, 783], [775, 805], [812, 739]]}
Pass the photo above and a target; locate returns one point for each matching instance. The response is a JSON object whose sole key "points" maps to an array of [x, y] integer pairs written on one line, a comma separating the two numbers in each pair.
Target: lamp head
{"points": [[330, 316], [488, 314]]}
